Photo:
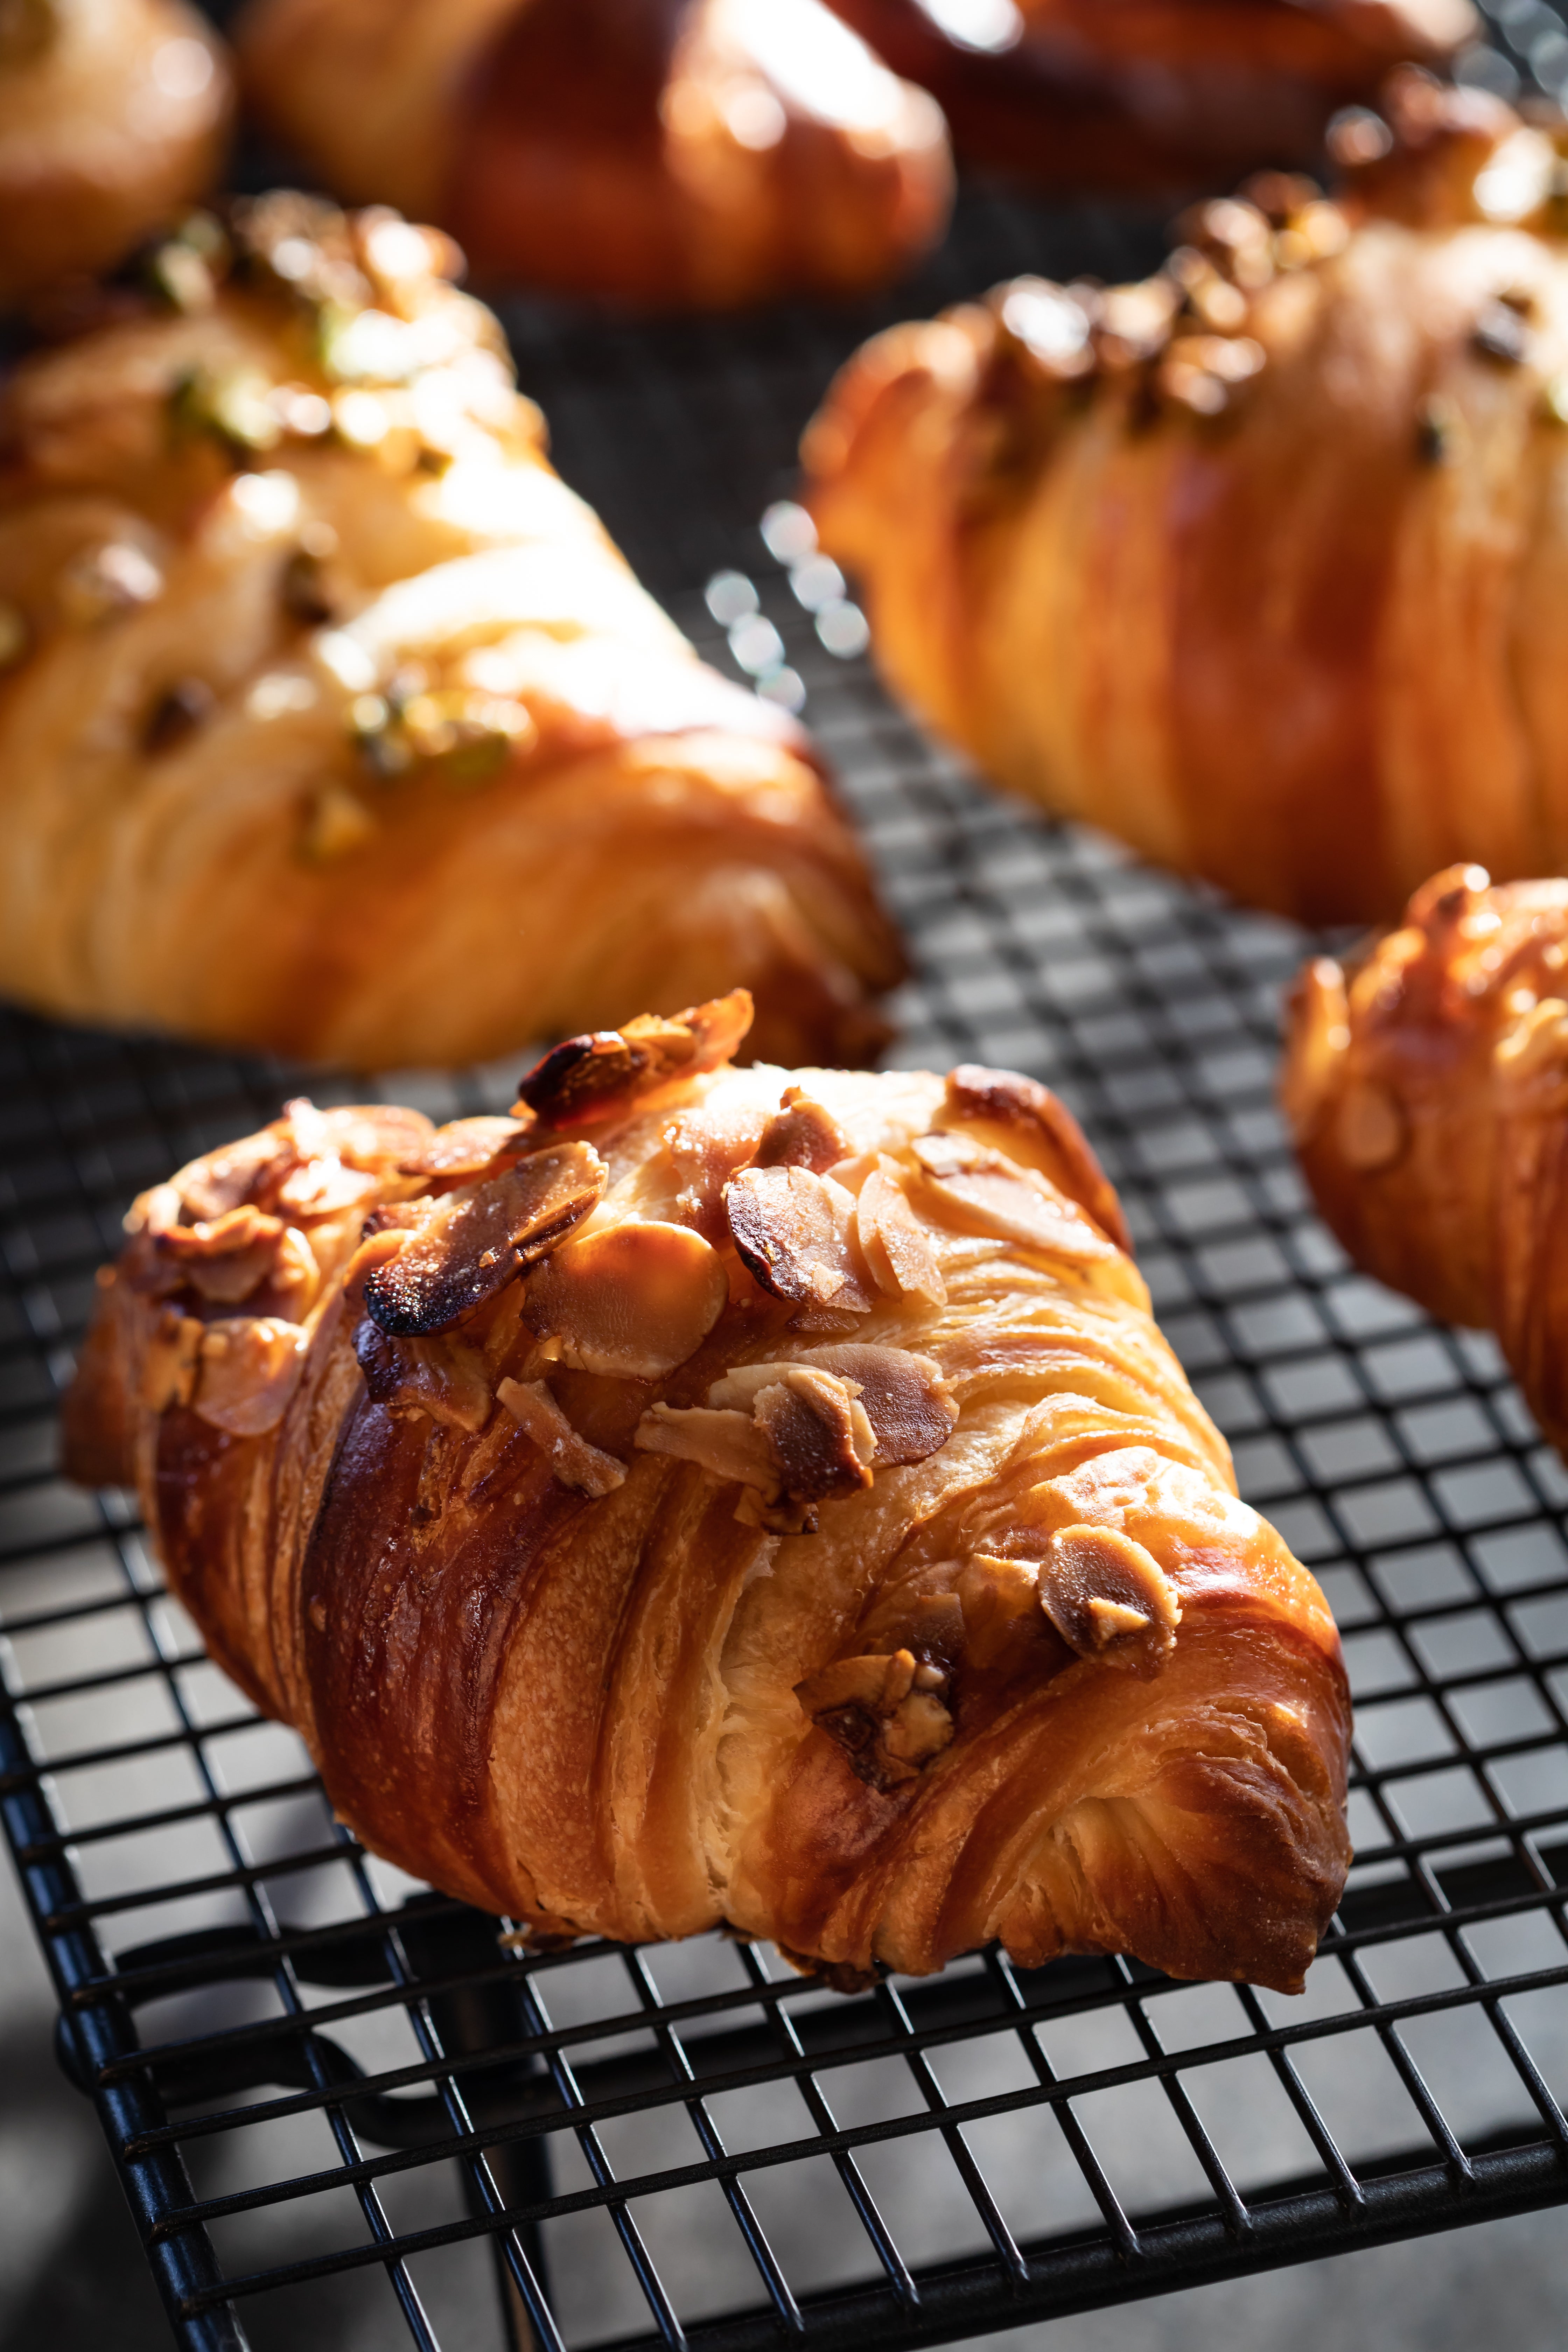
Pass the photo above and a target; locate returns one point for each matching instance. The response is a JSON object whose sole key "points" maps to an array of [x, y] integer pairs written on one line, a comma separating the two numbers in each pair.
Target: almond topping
{"points": [[878, 1711], [906, 1401], [728, 1445], [1108, 1598], [169, 1366], [898, 1248], [819, 1434], [986, 1193], [250, 1367], [474, 1243], [575, 1463], [466, 1147], [607, 1072], [793, 1232], [226, 1179], [878, 1684], [633, 1302], [1023, 1120], [442, 1377], [800, 1134]]}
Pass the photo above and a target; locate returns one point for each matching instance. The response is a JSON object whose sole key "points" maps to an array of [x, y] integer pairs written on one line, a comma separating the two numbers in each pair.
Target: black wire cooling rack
{"points": [[327, 2090]]}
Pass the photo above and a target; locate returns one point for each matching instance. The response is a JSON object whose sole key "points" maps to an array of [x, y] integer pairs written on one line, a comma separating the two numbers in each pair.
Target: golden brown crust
{"points": [[688, 153], [1157, 94], [880, 1617], [113, 116], [1426, 1085], [1259, 564], [332, 722]]}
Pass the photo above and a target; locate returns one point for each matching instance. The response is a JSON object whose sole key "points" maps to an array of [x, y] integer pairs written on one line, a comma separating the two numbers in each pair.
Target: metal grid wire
{"points": [[322, 2084]]}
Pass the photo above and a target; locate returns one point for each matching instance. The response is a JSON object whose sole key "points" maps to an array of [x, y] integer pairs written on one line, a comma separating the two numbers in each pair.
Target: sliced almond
{"points": [[909, 1407], [633, 1302], [444, 1377], [475, 1242], [374, 1138], [169, 1366], [466, 1147], [240, 1172], [997, 1597], [876, 1710], [728, 1445], [794, 1234], [802, 1134], [876, 1683], [606, 1072], [920, 1728], [898, 1248], [1023, 1120], [574, 1462], [250, 1367], [819, 1434], [225, 1257], [984, 1191], [1108, 1598]]}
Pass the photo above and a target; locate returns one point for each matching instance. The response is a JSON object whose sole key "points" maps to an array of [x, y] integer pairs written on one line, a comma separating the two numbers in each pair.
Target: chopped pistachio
{"points": [[336, 824]]}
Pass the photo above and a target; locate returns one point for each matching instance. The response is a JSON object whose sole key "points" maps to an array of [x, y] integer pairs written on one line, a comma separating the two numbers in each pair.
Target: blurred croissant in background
{"points": [[667, 154], [1261, 564], [113, 116], [1150, 94], [332, 722], [1427, 1087]]}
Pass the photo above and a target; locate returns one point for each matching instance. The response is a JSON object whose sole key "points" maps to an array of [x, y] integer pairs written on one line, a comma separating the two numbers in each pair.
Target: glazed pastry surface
{"points": [[1427, 1087], [332, 722], [1257, 564], [1150, 94], [112, 115], [751, 1496], [669, 153]]}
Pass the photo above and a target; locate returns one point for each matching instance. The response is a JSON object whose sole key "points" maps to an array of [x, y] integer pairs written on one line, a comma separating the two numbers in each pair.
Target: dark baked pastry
{"points": [[667, 153], [330, 719], [758, 1496], [1257, 564]]}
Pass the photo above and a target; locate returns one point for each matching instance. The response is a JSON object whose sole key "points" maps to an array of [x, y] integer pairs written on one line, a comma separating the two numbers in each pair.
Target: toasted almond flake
{"points": [[898, 1248], [250, 1367], [906, 1399], [443, 1377], [374, 1137], [921, 1728], [632, 1302], [466, 1147], [607, 1072], [1024, 1121], [997, 1596], [802, 1134], [877, 1683], [876, 1708], [474, 1242], [986, 1192], [818, 1432], [575, 1463], [728, 1445], [169, 1366], [1108, 1598], [238, 1173], [795, 1232]]}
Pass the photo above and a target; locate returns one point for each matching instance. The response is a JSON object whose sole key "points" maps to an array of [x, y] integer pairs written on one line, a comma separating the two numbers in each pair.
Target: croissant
{"points": [[1150, 94], [1427, 1087], [1255, 564], [758, 1496], [331, 720], [694, 153], [112, 115]]}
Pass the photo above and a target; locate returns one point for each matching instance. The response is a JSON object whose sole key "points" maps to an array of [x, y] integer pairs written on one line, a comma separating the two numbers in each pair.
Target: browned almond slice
{"points": [[475, 1242], [466, 1147], [793, 1232], [820, 1436], [375, 1138], [920, 1728], [986, 1192], [604, 1073], [250, 1367], [633, 1302], [1108, 1598], [876, 1683], [908, 1403], [728, 1445], [997, 1596], [800, 1134], [443, 1378], [575, 1463], [323, 1187], [1024, 1119], [169, 1366], [898, 1248], [240, 1172]]}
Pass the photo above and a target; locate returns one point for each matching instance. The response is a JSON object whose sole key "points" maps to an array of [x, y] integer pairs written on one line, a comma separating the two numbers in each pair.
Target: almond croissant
{"points": [[332, 722], [758, 1496], [1255, 564], [685, 153], [1150, 94], [1426, 1085]]}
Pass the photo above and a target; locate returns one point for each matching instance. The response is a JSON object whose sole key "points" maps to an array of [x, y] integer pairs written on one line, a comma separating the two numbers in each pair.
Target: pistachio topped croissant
{"points": [[332, 722], [757, 1495], [1256, 564]]}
